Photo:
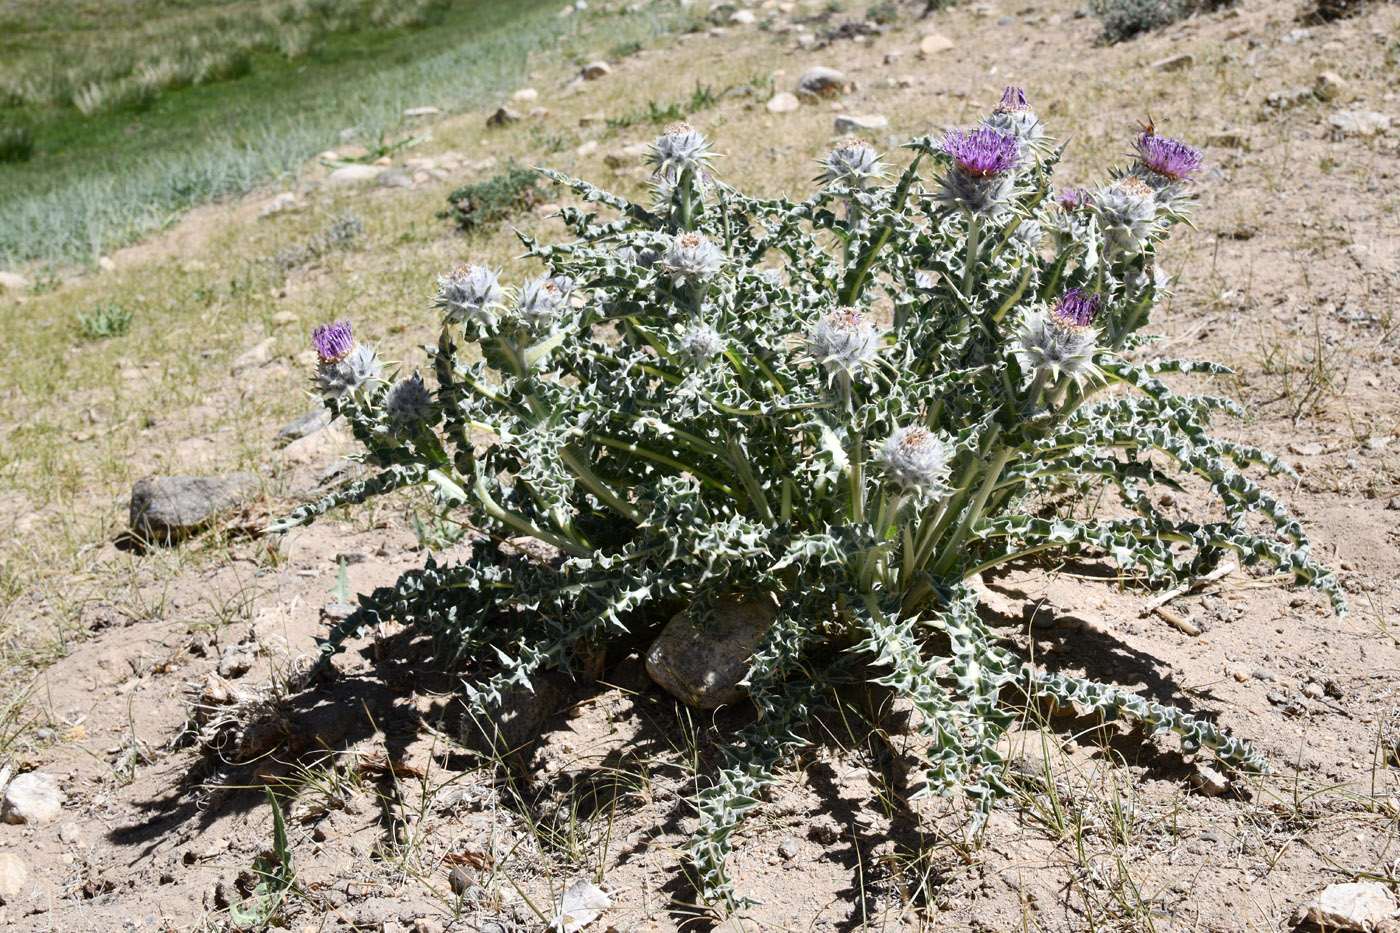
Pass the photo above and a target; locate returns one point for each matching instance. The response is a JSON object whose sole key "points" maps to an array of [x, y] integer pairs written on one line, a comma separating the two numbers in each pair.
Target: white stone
{"points": [[857, 123], [285, 201], [783, 102], [595, 70], [933, 44], [587, 148], [33, 797], [1329, 85], [525, 95], [12, 281], [1355, 906], [1360, 122], [1174, 62], [106, 264], [348, 175], [743, 18], [421, 112], [13, 875]]}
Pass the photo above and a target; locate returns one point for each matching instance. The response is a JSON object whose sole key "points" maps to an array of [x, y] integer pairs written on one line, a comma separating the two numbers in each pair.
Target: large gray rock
{"points": [[33, 798], [859, 122], [821, 82], [1357, 906], [306, 425], [13, 875], [703, 668], [167, 508]]}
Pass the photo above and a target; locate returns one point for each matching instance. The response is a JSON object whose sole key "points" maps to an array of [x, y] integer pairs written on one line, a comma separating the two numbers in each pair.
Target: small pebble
{"points": [[1263, 673], [787, 849], [1313, 691]]}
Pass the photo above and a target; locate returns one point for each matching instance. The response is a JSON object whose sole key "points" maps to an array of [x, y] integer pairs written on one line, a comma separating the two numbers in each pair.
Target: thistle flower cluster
{"points": [[542, 298], [1166, 161], [1013, 116], [1061, 340], [679, 149], [916, 460], [843, 341], [408, 401], [692, 258], [980, 180], [701, 344], [343, 366], [470, 293], [1127, 213], [854, 163]]}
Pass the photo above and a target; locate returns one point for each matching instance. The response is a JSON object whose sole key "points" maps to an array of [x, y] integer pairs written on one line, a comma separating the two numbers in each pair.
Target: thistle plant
{"points": [[847, 406]]}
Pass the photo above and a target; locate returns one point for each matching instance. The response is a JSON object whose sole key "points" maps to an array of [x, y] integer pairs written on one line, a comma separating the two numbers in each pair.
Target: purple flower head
{"points": [[1170, 158], [1075, 199], [983, 152], [1013, 99], [1077, 308], [333, 342]]}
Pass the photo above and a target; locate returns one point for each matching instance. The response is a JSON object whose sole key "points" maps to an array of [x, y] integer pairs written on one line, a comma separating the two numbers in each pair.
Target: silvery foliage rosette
{"points": [[688, 427]]}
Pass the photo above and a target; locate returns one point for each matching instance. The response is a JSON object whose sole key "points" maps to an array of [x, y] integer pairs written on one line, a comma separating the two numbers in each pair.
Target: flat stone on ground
{"points": [[783, 102], [703, 668], [167, 508], [33, 798], [818, 81]]}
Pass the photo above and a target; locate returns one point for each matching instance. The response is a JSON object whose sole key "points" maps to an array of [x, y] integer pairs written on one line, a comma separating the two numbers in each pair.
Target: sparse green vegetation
{"points": [[16, 144], [489, 202], [106, 320]]}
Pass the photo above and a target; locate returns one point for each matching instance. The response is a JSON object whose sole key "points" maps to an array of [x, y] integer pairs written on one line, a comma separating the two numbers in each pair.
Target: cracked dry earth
{"points": [[165, 724]]}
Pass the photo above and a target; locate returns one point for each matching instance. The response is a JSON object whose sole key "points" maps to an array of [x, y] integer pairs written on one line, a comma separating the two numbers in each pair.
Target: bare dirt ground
{"points": [[180, 701]]}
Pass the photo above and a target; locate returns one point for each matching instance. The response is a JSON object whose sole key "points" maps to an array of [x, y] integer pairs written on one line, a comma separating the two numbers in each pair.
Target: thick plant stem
{"points": [[974, 245], [974, 511]]}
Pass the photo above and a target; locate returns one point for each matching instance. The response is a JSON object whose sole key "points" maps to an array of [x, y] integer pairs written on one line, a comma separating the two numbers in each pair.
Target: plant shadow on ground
{"points": [[340, 711]]}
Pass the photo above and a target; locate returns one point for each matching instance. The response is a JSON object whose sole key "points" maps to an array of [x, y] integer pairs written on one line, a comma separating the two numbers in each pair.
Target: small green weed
{"points": [[882, 13], [276, 878], [106, 320], [16, 144], [485, 203]]}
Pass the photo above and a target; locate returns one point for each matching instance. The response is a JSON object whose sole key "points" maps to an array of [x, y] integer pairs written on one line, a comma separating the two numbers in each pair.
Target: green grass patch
{"points": [[485, 203], [96, 181], [108, 319]]}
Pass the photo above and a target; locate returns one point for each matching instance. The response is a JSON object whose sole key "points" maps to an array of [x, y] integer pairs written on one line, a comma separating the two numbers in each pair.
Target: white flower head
{"points": [[542, 298], [360, 368], [843, 341], [916, 460], [693, 257], [408, 400], [853, 163], [470, 292], [680, 148], [701, 344], [1126, 210]]}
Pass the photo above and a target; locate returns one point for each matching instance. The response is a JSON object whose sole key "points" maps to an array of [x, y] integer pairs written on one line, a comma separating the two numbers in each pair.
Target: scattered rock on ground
{"points": [[856, 123], [503, 117], [1288, 98], [13, 875], [399, 178], [1356, 906], [309, 423], [783, 102], [525, 95], [106, 264], [627, 156], [255, 356], [1210, 781], [819, 81], [12, 281], [348, 175], [703, 668], [1174, 62], [934, 43], [421, 112], [743, 18], [33, 798], [167, 508], [595, 70], [1329, 85], [286, 201], [1359, 122]]}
